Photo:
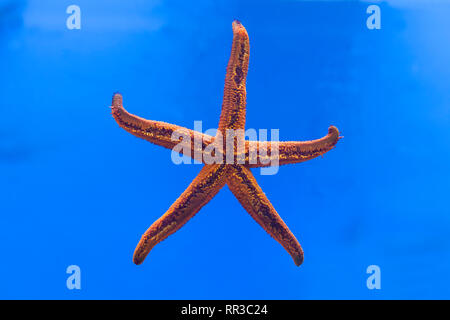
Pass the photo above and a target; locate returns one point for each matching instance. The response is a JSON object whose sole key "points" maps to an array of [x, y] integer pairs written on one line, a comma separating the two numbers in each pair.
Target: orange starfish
{"points": [[237, 174]]}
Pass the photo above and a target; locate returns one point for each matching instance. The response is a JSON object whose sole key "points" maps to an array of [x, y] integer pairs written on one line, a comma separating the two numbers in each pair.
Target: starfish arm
{"points": [[202, 189], [160, 133], [290, 151], [245, 188], [233, 105]]}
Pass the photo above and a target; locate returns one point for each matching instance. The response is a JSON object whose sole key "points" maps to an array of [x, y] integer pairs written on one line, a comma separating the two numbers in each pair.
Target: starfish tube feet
{"points": [[291, 151], [204, 187], [159, 133], [234, 94], [243, 185]]}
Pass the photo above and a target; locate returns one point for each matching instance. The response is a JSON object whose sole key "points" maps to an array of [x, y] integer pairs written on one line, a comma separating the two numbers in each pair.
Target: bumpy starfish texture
{"points": [[236, 174]]}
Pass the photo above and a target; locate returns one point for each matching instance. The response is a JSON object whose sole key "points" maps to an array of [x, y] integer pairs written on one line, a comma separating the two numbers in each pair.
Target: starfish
{"points": [[236, 174]]}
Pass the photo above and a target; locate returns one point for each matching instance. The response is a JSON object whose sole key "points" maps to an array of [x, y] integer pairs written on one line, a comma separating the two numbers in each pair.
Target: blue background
{"points": [[77, 189]]}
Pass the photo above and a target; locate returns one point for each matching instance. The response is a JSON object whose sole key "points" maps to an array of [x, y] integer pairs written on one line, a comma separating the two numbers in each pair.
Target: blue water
{"points": [[75, 189]]}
